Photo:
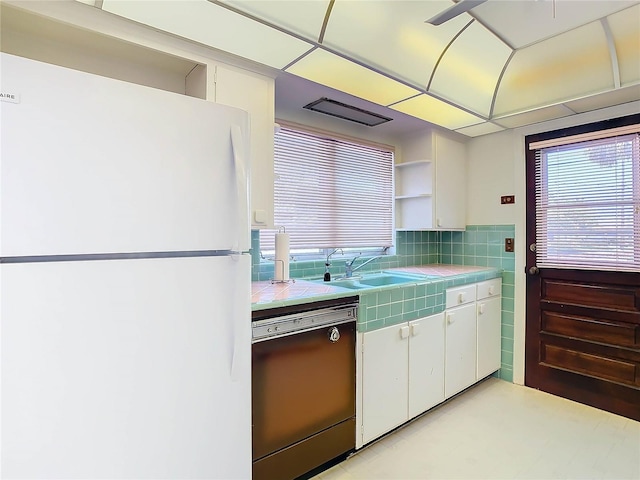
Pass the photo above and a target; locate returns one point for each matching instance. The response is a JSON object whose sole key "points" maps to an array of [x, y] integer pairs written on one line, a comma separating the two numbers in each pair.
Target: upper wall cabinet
{"points": [[255, 94], [430, 179]]}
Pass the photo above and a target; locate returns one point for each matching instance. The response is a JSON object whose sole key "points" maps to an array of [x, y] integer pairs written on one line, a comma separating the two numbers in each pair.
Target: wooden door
{"points": [[582, 326]]}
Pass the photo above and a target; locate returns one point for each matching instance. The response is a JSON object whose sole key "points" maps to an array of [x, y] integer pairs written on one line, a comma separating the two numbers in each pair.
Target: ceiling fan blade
{"points": [[453, 11]]}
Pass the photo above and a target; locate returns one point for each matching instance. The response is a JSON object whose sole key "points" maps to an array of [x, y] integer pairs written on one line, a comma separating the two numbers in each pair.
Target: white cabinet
{"points": [[488, 308], [253, 93], [460, 339], [407, 369], [385, 377], [402, 374], [473, 334], [426, 364], [431, 184]]}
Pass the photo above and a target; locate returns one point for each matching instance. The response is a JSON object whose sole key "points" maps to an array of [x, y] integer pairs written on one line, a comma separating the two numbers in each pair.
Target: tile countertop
{"points": [[271, 295], [265, 295]]}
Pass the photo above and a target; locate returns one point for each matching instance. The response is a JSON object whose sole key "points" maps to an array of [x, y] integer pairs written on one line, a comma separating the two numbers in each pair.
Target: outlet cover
{"points": [[508, 244], [507, 199]]}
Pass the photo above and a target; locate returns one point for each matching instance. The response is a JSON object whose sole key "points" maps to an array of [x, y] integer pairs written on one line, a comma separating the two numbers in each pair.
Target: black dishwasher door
{"points": [[304, 385]]}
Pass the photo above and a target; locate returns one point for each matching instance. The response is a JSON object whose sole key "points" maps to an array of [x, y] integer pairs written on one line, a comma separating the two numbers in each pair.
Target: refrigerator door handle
{"points": [[242, 184]]}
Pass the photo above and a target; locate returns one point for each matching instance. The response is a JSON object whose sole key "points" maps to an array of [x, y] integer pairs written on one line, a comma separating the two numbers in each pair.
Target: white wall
{"points": [[496, 166]]}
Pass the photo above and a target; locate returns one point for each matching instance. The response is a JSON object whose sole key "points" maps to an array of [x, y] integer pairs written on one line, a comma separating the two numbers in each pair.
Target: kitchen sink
{"points": [[373, 280], [352, 284], [382, 279]]}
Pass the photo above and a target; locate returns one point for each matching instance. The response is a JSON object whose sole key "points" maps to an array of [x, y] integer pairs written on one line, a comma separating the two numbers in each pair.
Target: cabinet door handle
{"points": [[450, 319], [404, 332], [461, 297], [481, 308], [415, 329], [491, 289]]}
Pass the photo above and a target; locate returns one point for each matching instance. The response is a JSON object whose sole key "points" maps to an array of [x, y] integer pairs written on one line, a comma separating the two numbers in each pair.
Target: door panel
{"points": [[385, 377], [582, 326], [460, 349], [302, 384], [110, 366], [105, 166]]}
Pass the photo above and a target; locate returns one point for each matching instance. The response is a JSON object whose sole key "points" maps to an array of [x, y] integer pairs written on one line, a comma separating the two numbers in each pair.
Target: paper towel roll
{"points": [[281, 267]]}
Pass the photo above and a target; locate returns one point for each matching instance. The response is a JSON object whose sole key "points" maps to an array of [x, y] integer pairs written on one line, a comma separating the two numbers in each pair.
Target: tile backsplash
{"points": [[481, 245]]}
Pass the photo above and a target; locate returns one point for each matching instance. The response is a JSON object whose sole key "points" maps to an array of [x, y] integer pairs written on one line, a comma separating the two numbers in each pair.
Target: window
{"points": [[588, 204], [331, 193]]}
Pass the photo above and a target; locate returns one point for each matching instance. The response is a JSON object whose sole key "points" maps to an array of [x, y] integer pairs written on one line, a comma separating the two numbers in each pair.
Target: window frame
{"points": [[537, 149]]}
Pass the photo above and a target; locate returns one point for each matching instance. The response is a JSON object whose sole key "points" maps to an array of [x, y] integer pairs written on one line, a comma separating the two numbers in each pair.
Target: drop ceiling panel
{"points": [[523, 22], [336, 72], [304, 18], [534, 116], [469, 70], [214, 26], [480, 129], [571, 65], [392, 36], [607, 99], [625, 27], [437, 112]]}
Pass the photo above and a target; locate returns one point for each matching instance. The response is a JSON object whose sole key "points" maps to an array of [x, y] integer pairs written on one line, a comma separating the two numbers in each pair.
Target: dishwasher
{"points": [[303, 387]]}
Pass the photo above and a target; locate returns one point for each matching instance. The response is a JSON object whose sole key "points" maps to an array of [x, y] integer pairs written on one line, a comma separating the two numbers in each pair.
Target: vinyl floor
{"points": [[498, 430]]}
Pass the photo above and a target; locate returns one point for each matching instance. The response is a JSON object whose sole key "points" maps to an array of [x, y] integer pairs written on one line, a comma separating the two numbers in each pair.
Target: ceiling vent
{"points": [[347, 112]]}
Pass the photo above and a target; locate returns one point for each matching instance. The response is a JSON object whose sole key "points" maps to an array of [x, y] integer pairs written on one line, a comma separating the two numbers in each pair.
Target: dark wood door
{"points": [[582, 326]]}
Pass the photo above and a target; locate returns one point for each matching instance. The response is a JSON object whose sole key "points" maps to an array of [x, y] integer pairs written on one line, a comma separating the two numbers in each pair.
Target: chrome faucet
{"points": [[348, 273]]}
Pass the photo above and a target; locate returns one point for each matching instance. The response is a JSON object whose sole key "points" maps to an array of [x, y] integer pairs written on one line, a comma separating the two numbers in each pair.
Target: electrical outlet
{"points": [[508, 244], [507, 199]]}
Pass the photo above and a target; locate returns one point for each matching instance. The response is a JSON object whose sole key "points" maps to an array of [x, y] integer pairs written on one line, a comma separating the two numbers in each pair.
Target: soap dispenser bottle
{"points": [[327, 273]]}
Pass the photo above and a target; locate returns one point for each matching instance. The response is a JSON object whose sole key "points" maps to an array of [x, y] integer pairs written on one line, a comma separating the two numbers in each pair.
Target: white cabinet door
{"points": [[450, 184], [460, 348], [384, 380], [255, 94], [489, 335], [426, 363], [431, 182]]}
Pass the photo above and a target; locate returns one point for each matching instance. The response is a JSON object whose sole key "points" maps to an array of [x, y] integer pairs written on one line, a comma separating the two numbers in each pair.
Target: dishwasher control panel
{"points": [[300, 322]]}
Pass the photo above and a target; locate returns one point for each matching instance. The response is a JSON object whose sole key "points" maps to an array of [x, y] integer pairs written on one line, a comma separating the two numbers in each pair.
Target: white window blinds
{"points": [[331, 193], [588, 204]]}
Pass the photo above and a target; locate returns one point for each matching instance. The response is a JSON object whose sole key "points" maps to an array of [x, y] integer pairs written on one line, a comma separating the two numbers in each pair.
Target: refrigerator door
{"points": [[126, 369], [95, 165]]}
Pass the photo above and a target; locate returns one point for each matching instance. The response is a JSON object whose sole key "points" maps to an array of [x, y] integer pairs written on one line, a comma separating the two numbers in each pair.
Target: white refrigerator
{"points": [[124, 280]]}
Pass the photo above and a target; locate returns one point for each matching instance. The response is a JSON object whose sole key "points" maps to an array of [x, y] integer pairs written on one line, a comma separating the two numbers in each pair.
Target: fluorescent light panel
{"points": [[336, 72], [347, 112], [469, 70], [574, 64], [392, 36], [437, 112], [215, 26]]}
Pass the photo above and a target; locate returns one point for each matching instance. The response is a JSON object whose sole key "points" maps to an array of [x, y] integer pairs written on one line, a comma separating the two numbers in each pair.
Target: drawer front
{"points": [[490, 288], [461, 295]]}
